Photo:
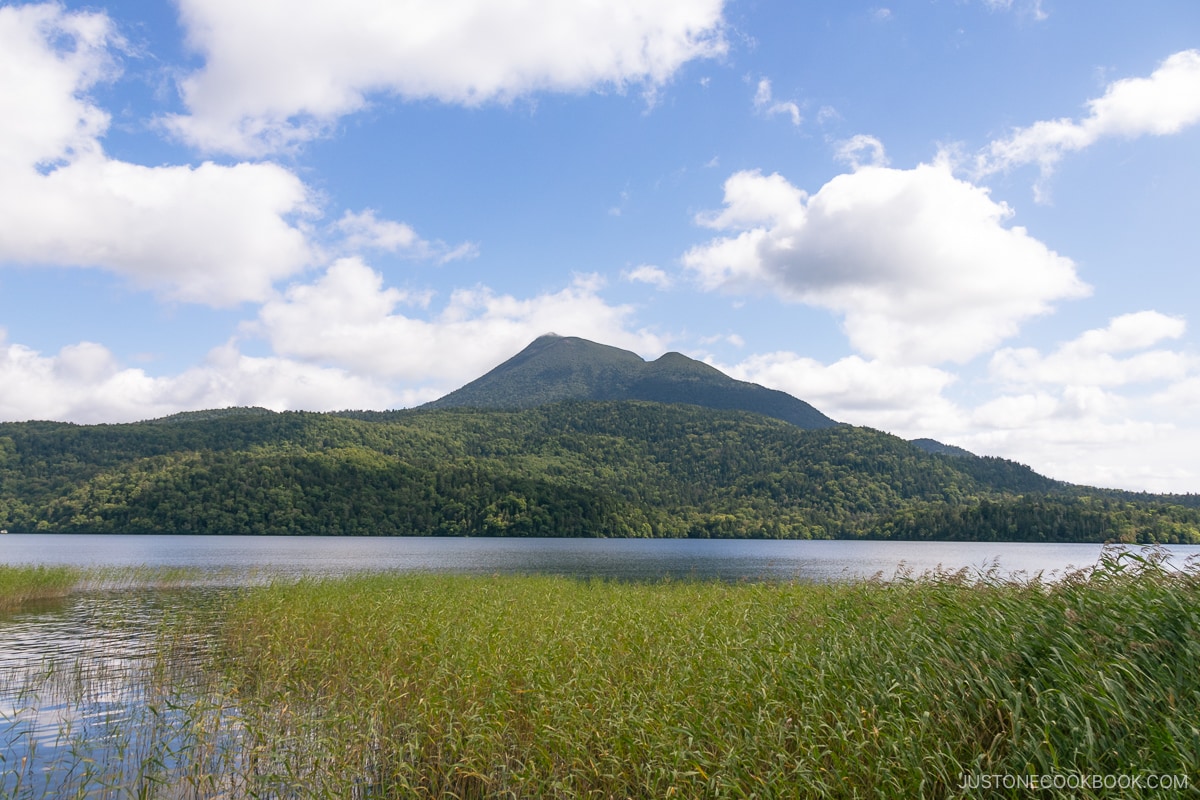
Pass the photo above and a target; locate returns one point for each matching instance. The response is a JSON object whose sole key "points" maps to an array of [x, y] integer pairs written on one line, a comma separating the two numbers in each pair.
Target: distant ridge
{"points": [[934, 446], [555, 368], [208, 415]]}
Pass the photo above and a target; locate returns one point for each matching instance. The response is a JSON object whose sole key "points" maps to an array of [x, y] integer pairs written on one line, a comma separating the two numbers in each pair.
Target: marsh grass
{"points": [[118, 704], [386, 686], [22, 585], [25, 584], [452, 686]]}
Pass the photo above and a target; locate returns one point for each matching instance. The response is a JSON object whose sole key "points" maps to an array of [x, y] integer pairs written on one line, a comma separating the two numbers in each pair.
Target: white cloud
{"points": [[208, 234], [1163, 104], [42, 117], [84, 383], [851, 152], [1091, 360], [906, 400], [765, 105], [279, 72], [1077, 414], [1090, 436], [1182, 395], [1134, 331], [211, 234], [1079, 433], [647, 273], [349, 319], [920, 264], [925, 268], [1083, 412], [365, 231]]}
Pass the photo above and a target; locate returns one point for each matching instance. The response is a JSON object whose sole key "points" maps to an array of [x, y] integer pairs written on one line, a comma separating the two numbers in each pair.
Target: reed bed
{"points": [[20, 584], [25, 584], [468, 687], [123, 706]]}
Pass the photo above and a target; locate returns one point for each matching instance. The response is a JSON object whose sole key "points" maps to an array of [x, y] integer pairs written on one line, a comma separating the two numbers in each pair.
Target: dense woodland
{"points": [[566, 469]]}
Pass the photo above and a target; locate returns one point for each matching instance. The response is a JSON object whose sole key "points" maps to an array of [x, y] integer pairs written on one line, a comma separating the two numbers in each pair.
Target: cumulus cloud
{"points": [[1093, 358], [1090, 405], [1181, 397], [210, 234], [364, 231], [1163, 104], [647, 273], [1088, 435], [766, 105], [348, 318], [921, 264], [279, 72], [84, 383], [904, 399], [42, 117], [1097, 433], [1109, 407]]}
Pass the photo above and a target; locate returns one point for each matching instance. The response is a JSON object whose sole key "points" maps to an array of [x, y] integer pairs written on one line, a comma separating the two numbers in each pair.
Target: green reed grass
{"points": [[452, 686], [24, 584], [133, 713], [381, 686]]}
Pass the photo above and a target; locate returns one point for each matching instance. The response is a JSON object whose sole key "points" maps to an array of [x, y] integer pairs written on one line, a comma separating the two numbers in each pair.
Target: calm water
{"points": [[242, 556], [92, 709]]}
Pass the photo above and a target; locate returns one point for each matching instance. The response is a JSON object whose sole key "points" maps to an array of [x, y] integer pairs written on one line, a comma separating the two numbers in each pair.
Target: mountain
{"points": [[571, 468], [555, 368], [567, 438]]}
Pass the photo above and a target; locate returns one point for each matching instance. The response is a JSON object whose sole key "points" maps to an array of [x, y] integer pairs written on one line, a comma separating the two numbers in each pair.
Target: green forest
{"points": [[575, 468]]}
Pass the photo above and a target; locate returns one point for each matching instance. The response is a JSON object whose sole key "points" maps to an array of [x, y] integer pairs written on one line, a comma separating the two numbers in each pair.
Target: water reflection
{"points": [[91, 705], [239, 559]]}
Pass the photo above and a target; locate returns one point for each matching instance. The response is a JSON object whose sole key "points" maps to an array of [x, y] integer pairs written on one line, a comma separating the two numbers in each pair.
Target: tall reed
{"points": [[24, 584], [109, 695], [451, 686]]}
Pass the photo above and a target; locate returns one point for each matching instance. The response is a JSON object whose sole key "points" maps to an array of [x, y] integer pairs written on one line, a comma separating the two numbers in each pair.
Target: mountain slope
{"points": [[618, 468], [934, 446], [555, 368]]}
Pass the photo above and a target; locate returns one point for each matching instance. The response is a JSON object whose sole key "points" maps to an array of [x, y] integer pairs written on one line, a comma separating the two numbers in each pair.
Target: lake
{"points": [[46, 733], [237, 558]]}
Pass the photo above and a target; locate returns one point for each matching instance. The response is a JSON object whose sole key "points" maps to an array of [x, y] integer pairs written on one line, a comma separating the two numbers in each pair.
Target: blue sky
{"points": [[972, 220]]}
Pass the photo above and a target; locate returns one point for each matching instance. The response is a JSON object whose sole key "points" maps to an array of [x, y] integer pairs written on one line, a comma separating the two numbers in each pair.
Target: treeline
{"points": [[567, 469], [1082, 518]]}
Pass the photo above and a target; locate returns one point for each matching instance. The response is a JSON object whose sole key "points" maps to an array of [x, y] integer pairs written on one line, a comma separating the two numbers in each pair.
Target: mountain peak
{"points": [[553, 368]]}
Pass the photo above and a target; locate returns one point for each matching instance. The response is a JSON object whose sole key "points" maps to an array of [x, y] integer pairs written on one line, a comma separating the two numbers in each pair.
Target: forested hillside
{"points": [[565, 469]]}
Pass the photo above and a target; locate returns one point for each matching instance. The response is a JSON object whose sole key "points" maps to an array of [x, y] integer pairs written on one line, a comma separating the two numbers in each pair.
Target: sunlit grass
{"points": [[24, 584], [398, 686], [102, 579], [20, 584], [539, 687]]}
